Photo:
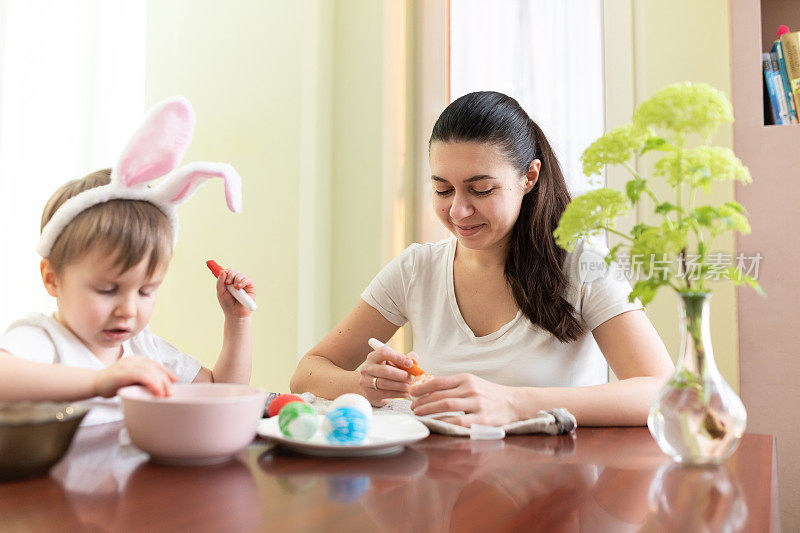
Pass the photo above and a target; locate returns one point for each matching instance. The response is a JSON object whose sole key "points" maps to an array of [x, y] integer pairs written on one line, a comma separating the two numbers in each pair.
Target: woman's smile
{"points": [[468, 230]]}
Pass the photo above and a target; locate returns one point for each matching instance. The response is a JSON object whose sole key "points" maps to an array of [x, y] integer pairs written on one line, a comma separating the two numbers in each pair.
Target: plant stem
{"points": [[649, 192], [631, 170], [615, 232], [698, 231], [679, 187]]}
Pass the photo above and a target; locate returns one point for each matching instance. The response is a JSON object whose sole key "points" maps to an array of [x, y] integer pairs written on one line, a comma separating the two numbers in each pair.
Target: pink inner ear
{"points": [[159, 144], [192, 181]]}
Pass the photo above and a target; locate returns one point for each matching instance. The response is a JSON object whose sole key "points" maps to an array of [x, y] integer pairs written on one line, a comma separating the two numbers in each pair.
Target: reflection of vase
{"points": [[695, 499], [697, 418]]}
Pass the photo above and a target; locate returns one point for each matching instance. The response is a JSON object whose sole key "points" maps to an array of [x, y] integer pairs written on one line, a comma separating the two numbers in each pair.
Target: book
{"points": [[777, 49], [790, 43], [769, 80], [783, 110], [768, 120]]}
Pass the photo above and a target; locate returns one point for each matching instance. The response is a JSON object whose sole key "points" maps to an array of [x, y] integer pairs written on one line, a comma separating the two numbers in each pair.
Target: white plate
{"points": [[387, 436]]}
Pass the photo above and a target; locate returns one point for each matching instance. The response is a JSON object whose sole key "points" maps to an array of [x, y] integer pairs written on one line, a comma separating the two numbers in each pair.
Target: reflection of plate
{"points": [[387, 436]]}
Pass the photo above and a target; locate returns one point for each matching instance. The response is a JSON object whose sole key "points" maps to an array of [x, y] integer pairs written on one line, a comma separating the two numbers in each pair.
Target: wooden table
{"points": [[599, 479]]}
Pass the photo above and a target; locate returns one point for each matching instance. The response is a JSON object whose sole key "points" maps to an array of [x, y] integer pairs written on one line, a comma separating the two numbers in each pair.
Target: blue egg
{"points": [[346, 425]]}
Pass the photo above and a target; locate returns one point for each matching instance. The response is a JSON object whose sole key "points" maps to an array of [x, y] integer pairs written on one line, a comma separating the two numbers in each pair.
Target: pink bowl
{"points": [[201, 423]]}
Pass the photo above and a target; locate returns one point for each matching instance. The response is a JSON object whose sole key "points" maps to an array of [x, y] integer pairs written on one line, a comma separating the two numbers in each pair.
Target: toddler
{"points": [[106, 242]]}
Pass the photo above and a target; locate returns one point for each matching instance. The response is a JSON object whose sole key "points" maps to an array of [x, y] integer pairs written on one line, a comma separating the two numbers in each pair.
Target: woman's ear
{"points": [[49, 277], [532, 176]]}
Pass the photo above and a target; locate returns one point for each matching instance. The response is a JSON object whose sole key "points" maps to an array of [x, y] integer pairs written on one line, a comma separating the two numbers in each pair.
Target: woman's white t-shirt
{"points": [[41, 338], [417, 287]]}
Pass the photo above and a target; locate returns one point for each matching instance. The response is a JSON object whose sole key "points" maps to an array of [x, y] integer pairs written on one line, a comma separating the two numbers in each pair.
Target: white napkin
{"points": [[551, 422]]}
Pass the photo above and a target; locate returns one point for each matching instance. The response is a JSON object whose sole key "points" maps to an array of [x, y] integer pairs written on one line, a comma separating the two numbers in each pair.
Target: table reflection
{"points": [[684, 498], [346, 480], [442, 484], [106, 483], [598, 479]]}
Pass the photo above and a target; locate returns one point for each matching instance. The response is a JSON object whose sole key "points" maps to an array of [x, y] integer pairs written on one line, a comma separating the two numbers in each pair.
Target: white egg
{"points": [[355, 401]]}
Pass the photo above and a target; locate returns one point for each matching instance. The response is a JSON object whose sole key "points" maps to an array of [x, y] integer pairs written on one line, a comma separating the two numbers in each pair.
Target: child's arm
{"points": [[236, 358], [27, 380]]}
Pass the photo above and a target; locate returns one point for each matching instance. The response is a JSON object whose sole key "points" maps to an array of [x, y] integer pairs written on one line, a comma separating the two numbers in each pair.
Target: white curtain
{"points": [[71, 92], [548, 55]]}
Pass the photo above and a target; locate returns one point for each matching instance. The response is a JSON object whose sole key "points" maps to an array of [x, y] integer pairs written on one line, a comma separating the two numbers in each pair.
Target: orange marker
{"points": [[239, 294], [414, 370]]}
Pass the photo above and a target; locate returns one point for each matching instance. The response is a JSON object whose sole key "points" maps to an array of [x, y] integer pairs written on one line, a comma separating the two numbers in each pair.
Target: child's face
{"points": [[102, 306]]}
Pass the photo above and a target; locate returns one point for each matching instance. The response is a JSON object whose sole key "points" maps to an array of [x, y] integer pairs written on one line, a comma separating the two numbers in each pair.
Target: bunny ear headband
{"points": [[154, 151]]}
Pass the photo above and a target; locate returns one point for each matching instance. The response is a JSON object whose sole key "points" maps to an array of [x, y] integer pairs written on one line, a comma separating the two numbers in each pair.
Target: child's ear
{"points": [[49, 277]]}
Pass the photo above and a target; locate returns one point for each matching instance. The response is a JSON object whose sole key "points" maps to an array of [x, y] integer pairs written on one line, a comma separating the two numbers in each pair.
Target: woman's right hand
{"points": [[382, 377], [136, 370]]}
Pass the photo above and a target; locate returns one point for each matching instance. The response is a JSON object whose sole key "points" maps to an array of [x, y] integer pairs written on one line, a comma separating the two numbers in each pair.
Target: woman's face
{"points": [[477, 193]]}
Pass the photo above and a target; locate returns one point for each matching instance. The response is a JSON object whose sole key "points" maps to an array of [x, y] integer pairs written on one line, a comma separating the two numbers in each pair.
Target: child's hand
{"points": [[230, 306], [136, 370]]}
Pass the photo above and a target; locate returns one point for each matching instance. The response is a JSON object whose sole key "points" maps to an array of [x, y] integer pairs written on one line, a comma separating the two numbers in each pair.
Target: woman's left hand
{"points": [[483, 402], [230, 305]]}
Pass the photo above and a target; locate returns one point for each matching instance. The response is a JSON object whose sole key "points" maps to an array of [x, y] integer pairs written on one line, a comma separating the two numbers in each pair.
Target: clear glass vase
{"points": [[697, 418]]}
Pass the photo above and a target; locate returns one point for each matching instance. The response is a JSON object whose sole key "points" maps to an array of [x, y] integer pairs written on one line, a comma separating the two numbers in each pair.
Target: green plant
{"points": [[665, 124]]}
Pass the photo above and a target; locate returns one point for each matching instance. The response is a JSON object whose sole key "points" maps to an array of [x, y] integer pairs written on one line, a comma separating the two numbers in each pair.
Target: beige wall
{"points": [[248, 101], [294, 94], [357, 145], [650, 45]]}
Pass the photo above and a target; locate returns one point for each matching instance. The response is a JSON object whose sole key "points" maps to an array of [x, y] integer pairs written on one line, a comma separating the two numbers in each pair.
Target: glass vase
{"points": [[697, 418]]}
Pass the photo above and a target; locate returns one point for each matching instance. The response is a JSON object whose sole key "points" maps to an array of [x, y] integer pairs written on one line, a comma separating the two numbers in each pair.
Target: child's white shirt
{"points": [[417, 287], [41, 338]]}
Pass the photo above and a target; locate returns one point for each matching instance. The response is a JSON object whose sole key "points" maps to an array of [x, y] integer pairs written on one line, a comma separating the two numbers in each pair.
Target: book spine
{"points": [[770, 81], [791, 54], [779, 92], [777, 48]]}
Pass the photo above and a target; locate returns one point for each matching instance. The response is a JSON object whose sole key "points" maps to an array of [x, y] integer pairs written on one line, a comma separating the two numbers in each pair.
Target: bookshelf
{"points": [[769, 329]]}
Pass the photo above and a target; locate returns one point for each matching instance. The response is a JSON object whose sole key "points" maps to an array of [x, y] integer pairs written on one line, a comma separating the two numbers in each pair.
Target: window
{"points": [[71, 92]]}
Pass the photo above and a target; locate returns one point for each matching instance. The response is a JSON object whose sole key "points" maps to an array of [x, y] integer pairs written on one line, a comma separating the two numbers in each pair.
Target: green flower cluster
{"points": [[664, 123], [684, 108], [588, 214], [615, 147], [700, 166]]}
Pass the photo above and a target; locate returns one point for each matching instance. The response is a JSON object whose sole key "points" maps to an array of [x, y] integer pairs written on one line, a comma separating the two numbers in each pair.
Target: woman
{"points": [[499, 313]]}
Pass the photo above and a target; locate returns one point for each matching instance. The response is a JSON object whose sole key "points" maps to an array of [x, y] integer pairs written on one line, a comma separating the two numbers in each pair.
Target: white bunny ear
{"points": [[181, 184], [158, 145]]}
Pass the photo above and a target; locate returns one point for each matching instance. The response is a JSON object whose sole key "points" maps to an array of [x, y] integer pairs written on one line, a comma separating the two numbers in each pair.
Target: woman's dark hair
{"points": [[534, 267]]}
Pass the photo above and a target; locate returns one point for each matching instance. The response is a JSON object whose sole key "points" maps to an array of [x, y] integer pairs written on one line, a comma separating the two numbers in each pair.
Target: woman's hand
{"points": [[483, 402], [382, 377], [230, 305], [136, 370]]}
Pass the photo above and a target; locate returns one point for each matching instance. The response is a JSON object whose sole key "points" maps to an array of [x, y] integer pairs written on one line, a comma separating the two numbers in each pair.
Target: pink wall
{"points": [[769, 329]]}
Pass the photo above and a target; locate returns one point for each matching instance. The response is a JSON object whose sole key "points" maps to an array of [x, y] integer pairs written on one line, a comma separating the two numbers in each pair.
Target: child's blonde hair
{"points": [[128, 230]]}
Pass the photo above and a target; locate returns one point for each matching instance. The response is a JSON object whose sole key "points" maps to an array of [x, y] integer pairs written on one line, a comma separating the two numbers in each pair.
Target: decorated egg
{"points": [[298, 420], [346, 425], [277, 404], [355, 401]]}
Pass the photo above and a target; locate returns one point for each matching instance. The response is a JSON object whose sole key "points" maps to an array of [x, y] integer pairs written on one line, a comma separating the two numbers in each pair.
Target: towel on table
{"points": [[551, 422]]}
